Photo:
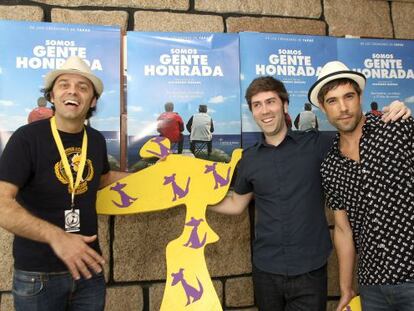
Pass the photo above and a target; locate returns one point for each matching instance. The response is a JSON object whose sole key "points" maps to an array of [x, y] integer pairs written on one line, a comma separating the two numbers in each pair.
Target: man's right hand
{"points": [[78, 256], [345, 299], [72, 249]]}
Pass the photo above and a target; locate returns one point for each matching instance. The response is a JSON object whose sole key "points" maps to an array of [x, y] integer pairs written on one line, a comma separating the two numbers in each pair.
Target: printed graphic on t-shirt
{"points": [[74, 155]]}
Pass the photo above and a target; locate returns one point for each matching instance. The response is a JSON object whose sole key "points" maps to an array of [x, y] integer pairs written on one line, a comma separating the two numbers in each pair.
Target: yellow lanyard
{"points": [[65, 162]]}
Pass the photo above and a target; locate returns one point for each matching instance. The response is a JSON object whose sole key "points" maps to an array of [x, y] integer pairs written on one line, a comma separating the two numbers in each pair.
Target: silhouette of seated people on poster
{"points": [[201, 128], [171, 125], [306, 119], [40, 112], [374, 109]]}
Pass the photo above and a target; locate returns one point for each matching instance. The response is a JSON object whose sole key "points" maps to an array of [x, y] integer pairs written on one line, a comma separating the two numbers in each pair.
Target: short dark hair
{"points": [[202, 108], [46, 94], [41, 101], [266, 84], [169, 106], [333, 84], [308, 107], [374, 106]]}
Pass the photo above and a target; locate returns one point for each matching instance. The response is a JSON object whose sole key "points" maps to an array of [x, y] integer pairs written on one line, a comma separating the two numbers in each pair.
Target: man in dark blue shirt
{"points": [[292, 241]]}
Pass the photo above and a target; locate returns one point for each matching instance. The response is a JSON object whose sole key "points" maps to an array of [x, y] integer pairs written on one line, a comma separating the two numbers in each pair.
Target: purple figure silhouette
{"points": [[178, 192], [194, 240], [219, 180], [164, 151], [190, 292], [125, 199]]}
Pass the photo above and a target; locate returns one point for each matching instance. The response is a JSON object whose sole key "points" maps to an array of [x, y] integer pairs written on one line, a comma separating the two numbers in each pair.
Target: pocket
{"points": [[27, 285]]}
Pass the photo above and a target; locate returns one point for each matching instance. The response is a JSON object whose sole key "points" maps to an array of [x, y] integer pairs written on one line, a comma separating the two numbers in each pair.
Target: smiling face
{"points": [[342, 106], [72, 96], [269, 113]]}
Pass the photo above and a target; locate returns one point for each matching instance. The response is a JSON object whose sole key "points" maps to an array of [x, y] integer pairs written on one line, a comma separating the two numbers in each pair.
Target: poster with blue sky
{"points": [[28, 50], [187, 69], [388, 66], [294, 59]]}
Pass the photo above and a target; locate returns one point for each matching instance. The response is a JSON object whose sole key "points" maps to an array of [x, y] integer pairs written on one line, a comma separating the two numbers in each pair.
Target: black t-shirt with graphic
{"points": [[31, 161]]}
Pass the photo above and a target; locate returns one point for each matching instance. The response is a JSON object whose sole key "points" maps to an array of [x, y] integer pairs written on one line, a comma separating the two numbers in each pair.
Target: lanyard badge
{"points": [[72, 215]]}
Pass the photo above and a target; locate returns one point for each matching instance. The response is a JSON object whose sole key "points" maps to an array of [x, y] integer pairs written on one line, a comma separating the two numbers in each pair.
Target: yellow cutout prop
{"points": [[172, 181], [354, 304]]}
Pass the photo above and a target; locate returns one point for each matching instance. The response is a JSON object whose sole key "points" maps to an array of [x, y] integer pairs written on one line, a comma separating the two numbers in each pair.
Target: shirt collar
{"points": [[289, 135], [371, 122]]}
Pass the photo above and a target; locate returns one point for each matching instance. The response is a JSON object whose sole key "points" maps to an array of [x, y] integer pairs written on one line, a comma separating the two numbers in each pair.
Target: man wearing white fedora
{"points": [[50, 172], [368, 178]]}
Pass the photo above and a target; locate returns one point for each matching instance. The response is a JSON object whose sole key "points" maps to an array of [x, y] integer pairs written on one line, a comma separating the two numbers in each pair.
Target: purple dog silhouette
{"points": [[219, 180], [164, 151], [125, 199], [194, 240], [190, 291], [178, 191]]}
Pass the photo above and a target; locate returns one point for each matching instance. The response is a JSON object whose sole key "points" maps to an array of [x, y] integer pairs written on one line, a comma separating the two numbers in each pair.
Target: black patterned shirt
{"points": [[378, 196]]}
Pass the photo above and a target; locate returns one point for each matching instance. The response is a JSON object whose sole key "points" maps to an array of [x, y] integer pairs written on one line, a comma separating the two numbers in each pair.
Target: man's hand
{"points": [[345, 299], [395, 111], [78, 256]]}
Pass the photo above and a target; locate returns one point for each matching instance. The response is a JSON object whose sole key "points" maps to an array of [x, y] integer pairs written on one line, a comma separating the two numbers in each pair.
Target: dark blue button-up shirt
{"points": [[291, 231]]}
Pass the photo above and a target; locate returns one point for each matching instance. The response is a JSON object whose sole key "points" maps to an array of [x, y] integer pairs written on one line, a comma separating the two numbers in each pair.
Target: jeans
{"points": [[41, 291], [302, 292], [387, 297]]}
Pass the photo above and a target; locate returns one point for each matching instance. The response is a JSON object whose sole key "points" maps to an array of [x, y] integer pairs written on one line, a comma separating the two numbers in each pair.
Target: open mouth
{"points": [[267, 120], [70, 102]]}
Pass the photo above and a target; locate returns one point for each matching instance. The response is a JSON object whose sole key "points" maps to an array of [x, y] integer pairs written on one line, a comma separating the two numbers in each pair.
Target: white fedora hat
{"points": [[333, 71], [74, 65]]}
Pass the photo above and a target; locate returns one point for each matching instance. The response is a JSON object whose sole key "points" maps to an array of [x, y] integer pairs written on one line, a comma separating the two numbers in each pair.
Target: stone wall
{"points": [[135, 245]]}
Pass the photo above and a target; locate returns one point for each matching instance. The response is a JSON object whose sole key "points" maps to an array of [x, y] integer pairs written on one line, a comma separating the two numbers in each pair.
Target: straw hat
{"points": [[333, 71], [74, 65]]}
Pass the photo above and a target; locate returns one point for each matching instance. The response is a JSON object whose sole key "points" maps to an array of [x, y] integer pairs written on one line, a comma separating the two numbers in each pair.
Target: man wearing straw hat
{"points": [[50, 172], [368, 177]]}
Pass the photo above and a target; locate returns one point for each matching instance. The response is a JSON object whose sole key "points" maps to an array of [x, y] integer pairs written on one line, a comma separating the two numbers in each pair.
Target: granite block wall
{"points": [[135, 269]]}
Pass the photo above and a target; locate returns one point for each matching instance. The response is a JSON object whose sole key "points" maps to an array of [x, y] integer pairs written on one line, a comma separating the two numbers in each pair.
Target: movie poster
{"points": [[388, 66], [28, 50], [295, 60], [185, 73]]}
